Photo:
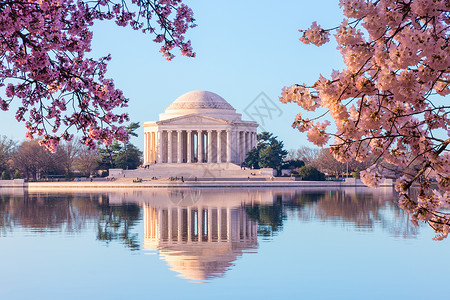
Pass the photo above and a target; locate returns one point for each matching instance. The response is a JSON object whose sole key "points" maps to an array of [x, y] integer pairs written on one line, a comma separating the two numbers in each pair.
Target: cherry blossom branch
{"points": [[43, 64], [392, 70]]}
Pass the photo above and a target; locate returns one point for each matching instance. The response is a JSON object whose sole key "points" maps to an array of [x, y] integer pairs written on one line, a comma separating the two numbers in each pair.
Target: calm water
{"points": [[216, 244]]}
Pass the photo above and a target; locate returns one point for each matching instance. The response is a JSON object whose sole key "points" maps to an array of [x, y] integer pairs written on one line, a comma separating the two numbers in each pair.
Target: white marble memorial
{"points": [[198, 127]]}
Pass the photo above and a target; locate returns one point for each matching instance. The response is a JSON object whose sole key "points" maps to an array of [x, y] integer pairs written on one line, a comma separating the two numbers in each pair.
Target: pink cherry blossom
{"points": [[44, 65], [371, 177], [314, 35], [386, 100]]}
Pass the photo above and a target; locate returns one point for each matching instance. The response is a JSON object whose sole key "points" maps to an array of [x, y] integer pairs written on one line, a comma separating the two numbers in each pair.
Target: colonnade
{"points": [[198, 224], [191, 146]]}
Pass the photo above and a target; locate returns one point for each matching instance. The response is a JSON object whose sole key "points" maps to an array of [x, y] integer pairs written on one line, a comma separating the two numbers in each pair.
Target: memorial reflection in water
{"points": [[197, 242], [200, 233]]}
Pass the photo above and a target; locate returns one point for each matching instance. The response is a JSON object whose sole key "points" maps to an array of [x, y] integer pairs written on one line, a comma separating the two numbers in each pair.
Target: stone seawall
{"points": [[160, 183], [14, 183]]}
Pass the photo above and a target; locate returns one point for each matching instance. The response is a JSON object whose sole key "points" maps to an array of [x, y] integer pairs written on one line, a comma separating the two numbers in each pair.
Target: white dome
{"points": [[200, 102]]}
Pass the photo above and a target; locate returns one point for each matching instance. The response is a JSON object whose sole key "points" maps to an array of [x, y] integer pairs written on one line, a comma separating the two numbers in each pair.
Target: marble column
{"points": [[179, 147], [219, 146], [228, 146], [242, 150], [160, 142], [253, 139], [153, 157], [242, 146], [247, 142], [151, 148], [189, 146], [210, 146], [146, 148], [169, 146], [200, 146]]}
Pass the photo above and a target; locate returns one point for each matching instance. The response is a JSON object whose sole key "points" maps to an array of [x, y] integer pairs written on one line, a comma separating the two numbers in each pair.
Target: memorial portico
{"points": [[199, 127]]}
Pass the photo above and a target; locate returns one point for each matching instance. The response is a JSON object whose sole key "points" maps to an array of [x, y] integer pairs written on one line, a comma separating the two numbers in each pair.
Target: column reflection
{"points": [[199, 242]]}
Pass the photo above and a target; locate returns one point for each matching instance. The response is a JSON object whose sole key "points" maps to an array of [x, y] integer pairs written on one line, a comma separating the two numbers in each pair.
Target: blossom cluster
{"points": [[385, 103], [44, 66], [371, 177], [315, 35]]}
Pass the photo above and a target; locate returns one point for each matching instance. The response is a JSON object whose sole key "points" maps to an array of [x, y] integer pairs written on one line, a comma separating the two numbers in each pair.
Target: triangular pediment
{"points": [[193, 119]]}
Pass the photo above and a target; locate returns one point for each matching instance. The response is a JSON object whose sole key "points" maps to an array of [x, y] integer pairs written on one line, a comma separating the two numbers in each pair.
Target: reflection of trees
{"points": [[305, 198], [48, 212], [399, 224], [301, 202], [70, 213], [269, 218], [6, 222], [361, 210], [115, 223]]}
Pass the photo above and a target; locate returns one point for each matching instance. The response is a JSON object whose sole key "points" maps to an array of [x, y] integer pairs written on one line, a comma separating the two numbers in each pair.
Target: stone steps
{"points": [[223, 170]]}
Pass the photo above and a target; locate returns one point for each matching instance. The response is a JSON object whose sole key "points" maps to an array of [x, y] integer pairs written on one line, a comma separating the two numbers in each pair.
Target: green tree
{"points": [[252, 159], [310, 173], [108, 155], [269, 152], [127, 156], [6, 175], [132, 128], [17, 175], [293, 164], [130, 158]]}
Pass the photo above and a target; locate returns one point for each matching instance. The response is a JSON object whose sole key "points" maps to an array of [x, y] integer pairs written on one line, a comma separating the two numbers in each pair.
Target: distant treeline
{"points": [[30, 161]]}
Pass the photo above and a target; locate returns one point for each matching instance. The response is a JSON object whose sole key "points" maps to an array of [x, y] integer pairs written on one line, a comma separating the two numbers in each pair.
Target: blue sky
{"points": [[243, 48]]}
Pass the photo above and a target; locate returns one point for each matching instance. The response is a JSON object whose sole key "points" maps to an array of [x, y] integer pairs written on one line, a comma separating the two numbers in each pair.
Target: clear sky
{"points": [[243, 48]]}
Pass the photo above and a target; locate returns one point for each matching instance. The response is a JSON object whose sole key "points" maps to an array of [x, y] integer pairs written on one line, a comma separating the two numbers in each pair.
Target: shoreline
{"points": [[149, 184]]}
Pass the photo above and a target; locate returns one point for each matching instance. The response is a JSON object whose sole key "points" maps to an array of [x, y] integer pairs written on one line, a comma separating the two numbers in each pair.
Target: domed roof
{"points": [[199, 100]]}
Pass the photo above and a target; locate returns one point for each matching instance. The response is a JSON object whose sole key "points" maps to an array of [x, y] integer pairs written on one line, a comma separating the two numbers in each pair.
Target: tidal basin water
{"points": [[216, 244]]}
